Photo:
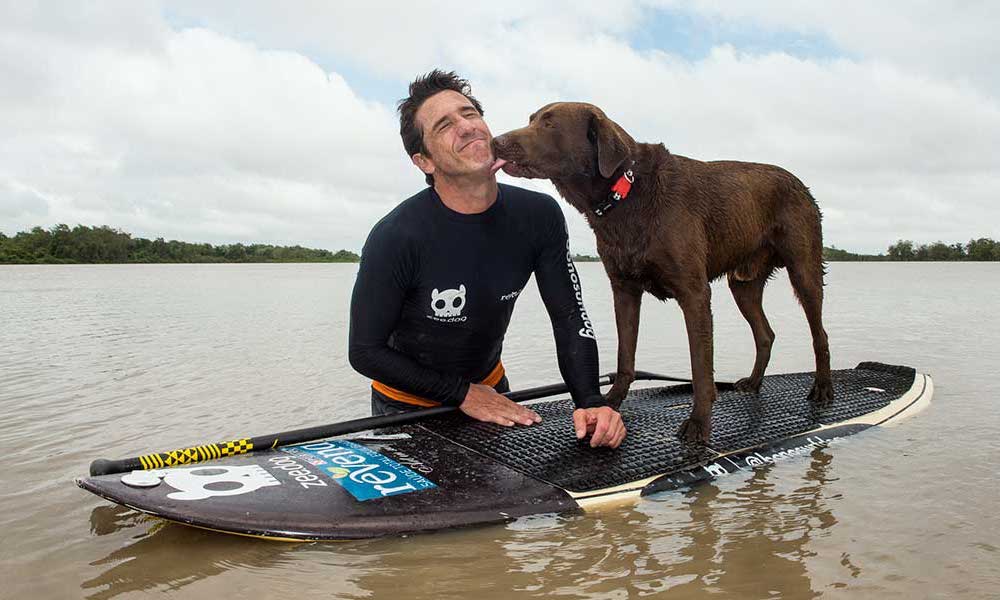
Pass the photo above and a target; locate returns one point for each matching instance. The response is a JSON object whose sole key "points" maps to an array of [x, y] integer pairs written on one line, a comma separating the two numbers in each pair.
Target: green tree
{"points": [[958, 252], [939, 251], [981, 249], [921, 252], [345, 256], [901, 250], [62, 243]]}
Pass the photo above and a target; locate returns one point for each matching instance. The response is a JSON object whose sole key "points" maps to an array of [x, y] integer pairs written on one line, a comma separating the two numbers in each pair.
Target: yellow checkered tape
{"points": [[194, 454]]}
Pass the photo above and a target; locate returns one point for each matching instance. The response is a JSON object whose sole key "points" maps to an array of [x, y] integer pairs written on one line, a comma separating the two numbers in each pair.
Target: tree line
{"points": [[103, 244], [982, 249]]}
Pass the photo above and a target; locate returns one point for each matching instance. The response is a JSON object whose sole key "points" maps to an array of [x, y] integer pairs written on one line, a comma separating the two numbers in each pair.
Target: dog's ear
{"points": [[609, 139]]}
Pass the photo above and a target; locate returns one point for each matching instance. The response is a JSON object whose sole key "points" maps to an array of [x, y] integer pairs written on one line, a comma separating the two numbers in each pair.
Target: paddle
{"points": [[193, 454]]}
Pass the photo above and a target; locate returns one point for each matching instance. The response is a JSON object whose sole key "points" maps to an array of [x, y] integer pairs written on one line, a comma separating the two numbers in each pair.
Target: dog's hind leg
{"points": [[749, 297], [628, 299], [806, 275]]}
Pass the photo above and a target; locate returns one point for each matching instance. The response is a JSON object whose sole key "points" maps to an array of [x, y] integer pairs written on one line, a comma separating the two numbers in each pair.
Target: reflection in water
{"points": [[766, 554], [751, 542], [109, 518], [763, 551], [169, 555]]}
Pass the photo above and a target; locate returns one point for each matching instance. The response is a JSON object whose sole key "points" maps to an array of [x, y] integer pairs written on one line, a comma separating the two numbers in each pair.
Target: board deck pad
{"points": [[451, 471], [550, 451]]}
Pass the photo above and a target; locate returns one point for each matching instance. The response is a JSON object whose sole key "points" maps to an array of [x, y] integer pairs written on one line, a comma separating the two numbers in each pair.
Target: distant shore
{"points": [[977, 250], [104, 245]]}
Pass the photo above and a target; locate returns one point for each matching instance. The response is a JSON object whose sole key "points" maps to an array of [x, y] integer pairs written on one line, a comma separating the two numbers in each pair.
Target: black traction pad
{"points": [[549, 451]]}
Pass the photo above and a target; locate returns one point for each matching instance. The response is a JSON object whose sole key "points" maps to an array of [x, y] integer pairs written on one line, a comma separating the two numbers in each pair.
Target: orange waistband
{"points": [[400, 396]]}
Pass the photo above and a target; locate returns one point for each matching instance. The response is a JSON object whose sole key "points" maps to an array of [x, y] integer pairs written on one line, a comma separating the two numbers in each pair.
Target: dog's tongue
{"points": [[497, 164]]}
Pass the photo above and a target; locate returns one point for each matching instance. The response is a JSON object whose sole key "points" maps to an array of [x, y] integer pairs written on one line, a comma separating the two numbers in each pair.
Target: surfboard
{"points": [[451, 471]]}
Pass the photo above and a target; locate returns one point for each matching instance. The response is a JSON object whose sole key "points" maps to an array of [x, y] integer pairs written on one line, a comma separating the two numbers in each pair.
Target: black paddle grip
{"points": [[103, 466]]}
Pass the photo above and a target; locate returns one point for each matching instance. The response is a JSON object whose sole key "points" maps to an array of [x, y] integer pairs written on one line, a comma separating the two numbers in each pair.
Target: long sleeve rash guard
{"points": [[436, 289]]}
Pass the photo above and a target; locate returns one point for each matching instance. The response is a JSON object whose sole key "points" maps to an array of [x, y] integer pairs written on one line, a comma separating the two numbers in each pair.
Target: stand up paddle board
{"points": [[450, 471]]}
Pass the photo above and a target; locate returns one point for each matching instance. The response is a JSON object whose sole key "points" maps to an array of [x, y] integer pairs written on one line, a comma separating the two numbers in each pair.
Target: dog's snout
{"points": [[504, 146]]}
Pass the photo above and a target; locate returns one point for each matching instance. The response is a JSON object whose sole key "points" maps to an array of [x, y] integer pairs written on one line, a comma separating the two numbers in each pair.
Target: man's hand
{"points": [[483, 403], [603, 424]]}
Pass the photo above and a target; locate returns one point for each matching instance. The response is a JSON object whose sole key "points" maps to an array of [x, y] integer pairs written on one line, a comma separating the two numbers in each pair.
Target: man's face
{"points": [[455, 136]]}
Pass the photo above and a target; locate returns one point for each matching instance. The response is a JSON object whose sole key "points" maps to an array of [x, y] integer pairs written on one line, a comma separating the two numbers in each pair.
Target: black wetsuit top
{"points": [[436, 288]]}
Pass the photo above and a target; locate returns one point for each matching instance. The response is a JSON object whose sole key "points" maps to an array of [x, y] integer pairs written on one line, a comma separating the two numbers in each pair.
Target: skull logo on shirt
{"points": [[448, 303]]}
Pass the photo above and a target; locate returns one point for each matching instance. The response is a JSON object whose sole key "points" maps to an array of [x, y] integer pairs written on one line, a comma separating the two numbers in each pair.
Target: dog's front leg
{"points": [[697, 306], [628, 299]]}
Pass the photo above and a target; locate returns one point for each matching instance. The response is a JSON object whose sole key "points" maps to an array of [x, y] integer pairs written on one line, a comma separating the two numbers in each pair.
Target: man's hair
{"points": [[421, 89]]}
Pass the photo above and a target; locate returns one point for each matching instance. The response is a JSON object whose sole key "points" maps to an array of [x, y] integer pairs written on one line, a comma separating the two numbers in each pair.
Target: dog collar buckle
{"points": [[619, 191], [621, 188], [602, 209]]}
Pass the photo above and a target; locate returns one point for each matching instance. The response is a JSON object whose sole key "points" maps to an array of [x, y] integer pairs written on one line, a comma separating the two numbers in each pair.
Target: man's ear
{"points": [[423, 163], [612, 148]]}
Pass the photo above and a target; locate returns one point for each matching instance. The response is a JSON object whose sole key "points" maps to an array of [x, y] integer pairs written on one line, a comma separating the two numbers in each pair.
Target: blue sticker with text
{"points": [[364, 473]]}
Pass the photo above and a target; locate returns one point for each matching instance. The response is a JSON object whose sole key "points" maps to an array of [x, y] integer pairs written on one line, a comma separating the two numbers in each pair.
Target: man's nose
{"points": [[465, 126]]}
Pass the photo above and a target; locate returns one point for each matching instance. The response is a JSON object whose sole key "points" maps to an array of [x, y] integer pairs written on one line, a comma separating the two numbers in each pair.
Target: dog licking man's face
{"points": [[563, 140], [456, 138]]}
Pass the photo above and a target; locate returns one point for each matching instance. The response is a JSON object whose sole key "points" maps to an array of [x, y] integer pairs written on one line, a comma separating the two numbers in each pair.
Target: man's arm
{"points": [[576, 344], [559, 286], [383, 278]]}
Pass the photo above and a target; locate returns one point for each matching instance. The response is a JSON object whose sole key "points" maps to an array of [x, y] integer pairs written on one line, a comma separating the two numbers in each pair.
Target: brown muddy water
{"points": [[112, 361]]}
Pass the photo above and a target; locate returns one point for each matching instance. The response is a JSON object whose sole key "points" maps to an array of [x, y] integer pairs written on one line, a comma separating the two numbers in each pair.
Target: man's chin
{"points": [[488, 166], [471, 171]]}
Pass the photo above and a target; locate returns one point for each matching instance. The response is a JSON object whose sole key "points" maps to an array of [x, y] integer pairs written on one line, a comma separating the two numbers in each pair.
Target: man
{"points": [[440, 273]]}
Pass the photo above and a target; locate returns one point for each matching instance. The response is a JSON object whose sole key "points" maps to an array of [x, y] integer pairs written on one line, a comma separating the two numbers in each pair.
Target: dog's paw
{"points": [[821, 394], [695, 431], [748, 385]]}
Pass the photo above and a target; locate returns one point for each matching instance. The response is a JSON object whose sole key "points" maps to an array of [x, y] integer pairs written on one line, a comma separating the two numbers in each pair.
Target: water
{"points": [[114, 360]]}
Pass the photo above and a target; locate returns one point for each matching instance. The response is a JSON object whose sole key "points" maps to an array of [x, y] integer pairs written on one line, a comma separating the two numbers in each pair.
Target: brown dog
{"points": [[675, 225]]}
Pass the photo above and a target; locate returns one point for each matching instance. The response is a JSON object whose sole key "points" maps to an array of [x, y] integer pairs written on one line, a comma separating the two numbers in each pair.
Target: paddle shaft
{"points": [[205, 452]]}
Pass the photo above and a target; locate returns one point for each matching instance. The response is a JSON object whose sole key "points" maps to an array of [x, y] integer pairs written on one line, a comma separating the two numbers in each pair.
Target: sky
{"points": [[266, 122]]}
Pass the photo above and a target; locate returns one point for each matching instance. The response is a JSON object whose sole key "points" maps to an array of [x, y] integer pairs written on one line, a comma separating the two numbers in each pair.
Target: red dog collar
{"points": [[619, 191]]}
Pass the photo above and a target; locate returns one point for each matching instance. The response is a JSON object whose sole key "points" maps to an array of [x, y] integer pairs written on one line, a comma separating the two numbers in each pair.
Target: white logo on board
{"points": [[448, 303], [210, 481], [716, 470]]}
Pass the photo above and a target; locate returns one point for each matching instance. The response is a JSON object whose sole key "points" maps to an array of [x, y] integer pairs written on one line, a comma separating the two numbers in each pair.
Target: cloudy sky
{"points": [[272, 122]]}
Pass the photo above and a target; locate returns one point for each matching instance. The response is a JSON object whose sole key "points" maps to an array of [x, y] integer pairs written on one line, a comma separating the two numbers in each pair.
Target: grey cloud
{"points": [[19, 203]]}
